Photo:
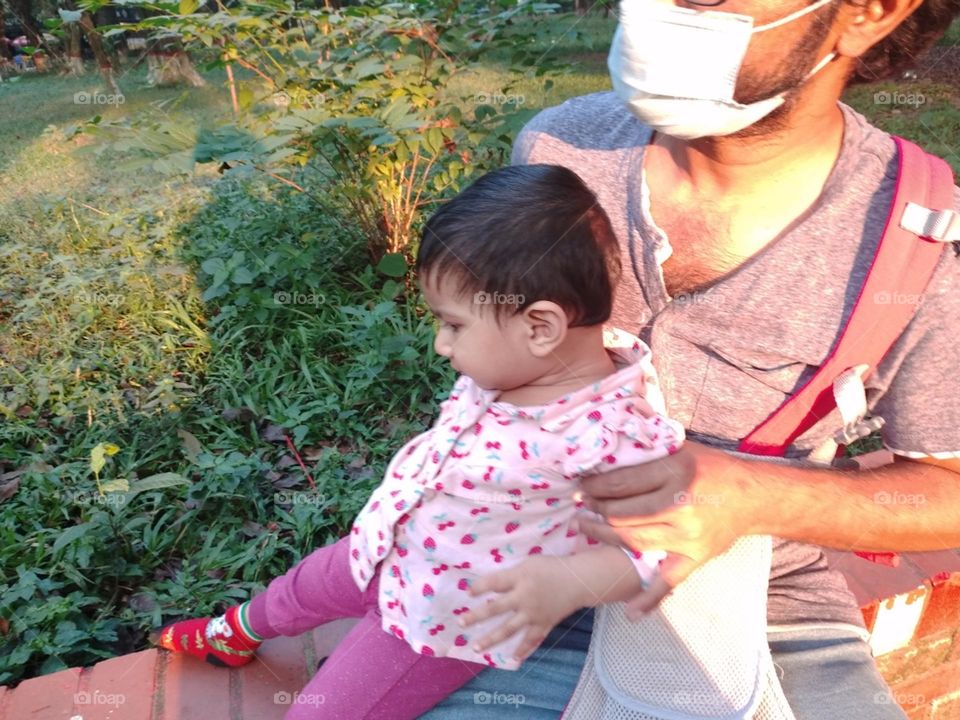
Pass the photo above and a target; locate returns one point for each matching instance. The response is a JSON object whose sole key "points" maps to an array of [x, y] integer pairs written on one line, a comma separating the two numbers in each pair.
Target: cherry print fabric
{"points": [[492, 483]]}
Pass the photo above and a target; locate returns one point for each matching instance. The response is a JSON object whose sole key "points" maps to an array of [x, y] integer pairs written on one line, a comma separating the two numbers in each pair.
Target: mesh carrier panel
{"points": [[702, 654]]}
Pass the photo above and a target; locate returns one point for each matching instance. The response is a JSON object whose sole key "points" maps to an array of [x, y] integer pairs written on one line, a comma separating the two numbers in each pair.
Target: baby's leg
{"points": [[372, 675], [315, 591]]}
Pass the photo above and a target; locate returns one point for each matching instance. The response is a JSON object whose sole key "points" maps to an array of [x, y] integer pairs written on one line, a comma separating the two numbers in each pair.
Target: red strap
{"points": [[901, 268]]}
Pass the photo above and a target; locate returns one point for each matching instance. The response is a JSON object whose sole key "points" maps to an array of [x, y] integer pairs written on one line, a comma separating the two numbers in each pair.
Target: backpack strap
{"points": [[891, 293]]}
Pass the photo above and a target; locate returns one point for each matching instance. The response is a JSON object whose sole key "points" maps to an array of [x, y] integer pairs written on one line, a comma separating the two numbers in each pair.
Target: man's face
{"points": [[779, 59]]}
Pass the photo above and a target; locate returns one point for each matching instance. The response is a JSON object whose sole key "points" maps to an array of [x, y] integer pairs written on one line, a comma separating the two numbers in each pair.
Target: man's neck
{"points": [[804, 145]]}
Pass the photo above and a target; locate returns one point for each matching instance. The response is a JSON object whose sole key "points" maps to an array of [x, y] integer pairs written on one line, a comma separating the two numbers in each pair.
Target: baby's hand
{"points": [[540, 592]]}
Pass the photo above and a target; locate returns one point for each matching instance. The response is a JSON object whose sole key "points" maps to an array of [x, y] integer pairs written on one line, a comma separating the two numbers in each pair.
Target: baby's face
{"points": [[495, 355]]}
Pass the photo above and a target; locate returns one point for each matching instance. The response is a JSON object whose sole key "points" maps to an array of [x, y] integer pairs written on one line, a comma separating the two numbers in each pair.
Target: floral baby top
{"points": [[491, 483]]}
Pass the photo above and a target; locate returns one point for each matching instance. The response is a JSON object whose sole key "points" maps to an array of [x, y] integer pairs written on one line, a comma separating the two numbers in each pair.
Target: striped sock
{"points": [[243, 623], [227, 640]]}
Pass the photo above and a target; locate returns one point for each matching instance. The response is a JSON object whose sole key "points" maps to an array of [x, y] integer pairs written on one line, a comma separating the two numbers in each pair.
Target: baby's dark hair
{"points": [[535, 232]]}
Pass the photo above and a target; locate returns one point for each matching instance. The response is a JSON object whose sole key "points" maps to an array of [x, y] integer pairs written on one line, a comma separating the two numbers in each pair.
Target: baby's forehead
{"points": [[442, 285]]}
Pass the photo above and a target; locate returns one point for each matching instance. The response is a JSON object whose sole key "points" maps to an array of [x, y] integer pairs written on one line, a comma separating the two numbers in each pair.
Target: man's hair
{"points": [[914, 36], [535, 232]]}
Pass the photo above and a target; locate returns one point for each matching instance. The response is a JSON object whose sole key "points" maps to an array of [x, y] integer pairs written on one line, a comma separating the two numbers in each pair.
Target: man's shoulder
{"points": [[589, 123]]}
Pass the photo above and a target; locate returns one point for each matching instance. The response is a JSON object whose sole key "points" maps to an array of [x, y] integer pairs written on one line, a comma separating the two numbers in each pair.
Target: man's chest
{"points": [[702, 249]]}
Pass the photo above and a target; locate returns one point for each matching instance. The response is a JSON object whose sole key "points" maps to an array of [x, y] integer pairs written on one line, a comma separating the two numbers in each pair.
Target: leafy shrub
{"points": [[352, 105]]}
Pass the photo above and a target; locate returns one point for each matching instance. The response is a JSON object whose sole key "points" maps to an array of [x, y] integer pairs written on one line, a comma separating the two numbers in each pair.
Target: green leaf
{"points": [[70, 534], [484, 111], [434, 140], [243, 276], [212, 266], [189, 7], [191, 446], [118, 485], [155, 482], [393, 265]]}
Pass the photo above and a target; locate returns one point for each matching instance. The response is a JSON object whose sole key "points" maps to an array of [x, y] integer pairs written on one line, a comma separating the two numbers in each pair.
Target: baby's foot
{"points": [[220, 641]]}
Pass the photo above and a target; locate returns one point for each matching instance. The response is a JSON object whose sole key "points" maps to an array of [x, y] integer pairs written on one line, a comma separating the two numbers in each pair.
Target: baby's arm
{"points": [[543, 590]]}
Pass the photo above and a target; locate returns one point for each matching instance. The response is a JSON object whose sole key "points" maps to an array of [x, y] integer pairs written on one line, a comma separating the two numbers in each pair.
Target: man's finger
{"points": [[599, 530], [642, 537], [649, 599], [622, 483], [629, 509], [672, 571]]}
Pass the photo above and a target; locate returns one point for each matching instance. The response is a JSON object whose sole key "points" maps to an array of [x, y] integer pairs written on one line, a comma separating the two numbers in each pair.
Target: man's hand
{"points": [[693, 504], [538, 593]]}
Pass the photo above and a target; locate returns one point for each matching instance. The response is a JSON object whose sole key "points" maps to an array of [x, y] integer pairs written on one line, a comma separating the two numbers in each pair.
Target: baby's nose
{"points": [[441, 346]]}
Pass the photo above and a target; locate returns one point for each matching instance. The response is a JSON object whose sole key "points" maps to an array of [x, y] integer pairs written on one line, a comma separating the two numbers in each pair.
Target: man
{"points": [[749, 204]]}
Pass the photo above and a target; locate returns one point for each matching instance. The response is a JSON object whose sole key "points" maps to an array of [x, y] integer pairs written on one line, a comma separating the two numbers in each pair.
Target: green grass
{"points": [[952, 36]]}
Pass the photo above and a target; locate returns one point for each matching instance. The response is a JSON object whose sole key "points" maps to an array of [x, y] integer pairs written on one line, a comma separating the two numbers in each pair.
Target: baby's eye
{"points": [[452, 327]]}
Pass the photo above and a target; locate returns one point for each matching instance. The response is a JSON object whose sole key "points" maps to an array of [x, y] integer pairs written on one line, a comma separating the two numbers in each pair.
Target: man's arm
{"points": [[909, 505], [696, 503]]}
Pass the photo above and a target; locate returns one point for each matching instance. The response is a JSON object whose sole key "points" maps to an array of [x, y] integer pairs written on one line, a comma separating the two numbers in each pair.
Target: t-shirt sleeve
{"points": [[921, 373], [525, 142]]}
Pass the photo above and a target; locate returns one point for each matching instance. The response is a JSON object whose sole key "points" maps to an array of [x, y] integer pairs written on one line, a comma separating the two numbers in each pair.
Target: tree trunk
{"points": [[168, 64], [4, 48], [74, 51], [95, 40]]}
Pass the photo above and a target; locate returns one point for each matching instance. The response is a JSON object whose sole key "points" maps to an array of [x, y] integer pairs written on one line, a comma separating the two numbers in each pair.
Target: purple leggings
{"points": [[371, 674]]}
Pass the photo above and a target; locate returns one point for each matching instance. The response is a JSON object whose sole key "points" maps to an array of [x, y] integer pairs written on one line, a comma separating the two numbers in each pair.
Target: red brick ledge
{"points": [[157, 685], [916, 636]]}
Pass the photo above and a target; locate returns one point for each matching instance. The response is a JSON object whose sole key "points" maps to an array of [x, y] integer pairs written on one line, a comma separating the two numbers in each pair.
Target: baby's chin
{"points": [[482, 383]]}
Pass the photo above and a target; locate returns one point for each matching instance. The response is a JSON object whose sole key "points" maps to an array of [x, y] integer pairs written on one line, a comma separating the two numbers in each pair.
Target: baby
{"points": [[468, 552]]}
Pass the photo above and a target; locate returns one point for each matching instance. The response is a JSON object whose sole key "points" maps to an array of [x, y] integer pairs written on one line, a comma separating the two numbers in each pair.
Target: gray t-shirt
{"points": [[732, 353]]}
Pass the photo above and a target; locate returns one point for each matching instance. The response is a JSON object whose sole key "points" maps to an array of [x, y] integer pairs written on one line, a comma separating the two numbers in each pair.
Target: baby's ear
{"points": [[545, 325]]}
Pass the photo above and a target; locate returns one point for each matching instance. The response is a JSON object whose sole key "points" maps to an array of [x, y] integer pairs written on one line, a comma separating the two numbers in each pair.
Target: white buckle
{"points": [[939, 225], [851, 398]]}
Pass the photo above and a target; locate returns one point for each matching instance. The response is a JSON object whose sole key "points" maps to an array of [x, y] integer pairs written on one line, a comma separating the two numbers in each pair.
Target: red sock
{"points": [[220, 641]]}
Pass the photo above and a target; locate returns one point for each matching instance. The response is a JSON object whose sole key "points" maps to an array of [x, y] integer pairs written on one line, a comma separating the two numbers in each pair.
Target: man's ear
{"points": [[870, 21], [545, 327]]}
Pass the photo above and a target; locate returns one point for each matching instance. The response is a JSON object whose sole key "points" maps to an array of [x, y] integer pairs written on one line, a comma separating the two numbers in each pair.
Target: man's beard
{"points": [[787, 78]]}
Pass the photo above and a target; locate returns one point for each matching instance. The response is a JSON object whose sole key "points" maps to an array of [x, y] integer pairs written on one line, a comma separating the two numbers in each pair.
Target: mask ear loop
{"points": [[793, 16]]}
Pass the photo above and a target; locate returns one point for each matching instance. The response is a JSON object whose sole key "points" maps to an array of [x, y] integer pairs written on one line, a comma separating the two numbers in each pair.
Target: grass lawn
{"points": [[105, 337]]}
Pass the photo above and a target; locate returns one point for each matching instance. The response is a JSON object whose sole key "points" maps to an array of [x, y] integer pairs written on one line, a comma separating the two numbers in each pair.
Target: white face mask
{"points": [[676, 68]]}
